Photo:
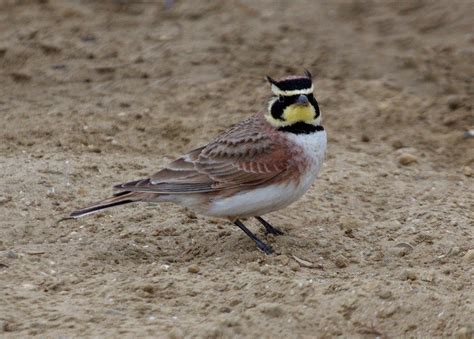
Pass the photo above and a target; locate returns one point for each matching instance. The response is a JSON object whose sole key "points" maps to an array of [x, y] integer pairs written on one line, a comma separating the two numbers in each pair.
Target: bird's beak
{"points": [[302, 100]]}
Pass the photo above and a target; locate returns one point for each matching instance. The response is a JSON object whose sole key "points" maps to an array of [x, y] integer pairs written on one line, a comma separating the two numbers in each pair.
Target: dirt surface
{"points": [[98, 93]]}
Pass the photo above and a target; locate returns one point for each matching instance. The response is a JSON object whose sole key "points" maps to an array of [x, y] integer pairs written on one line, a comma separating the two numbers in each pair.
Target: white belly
{"points": [[263, 200]]}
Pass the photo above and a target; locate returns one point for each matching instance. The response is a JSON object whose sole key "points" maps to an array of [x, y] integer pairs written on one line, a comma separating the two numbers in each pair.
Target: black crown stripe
{"points": [[294, 84]]}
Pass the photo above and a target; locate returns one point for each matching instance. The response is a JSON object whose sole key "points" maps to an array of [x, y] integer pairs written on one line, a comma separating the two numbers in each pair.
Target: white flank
{"points": [[274, 197]]}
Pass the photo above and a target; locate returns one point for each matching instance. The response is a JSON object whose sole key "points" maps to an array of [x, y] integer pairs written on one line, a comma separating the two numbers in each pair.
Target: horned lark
{"points": [[257, 166]]}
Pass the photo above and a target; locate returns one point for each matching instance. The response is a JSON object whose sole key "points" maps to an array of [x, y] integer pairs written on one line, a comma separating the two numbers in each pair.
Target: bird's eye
{"points": [[280, 99]]}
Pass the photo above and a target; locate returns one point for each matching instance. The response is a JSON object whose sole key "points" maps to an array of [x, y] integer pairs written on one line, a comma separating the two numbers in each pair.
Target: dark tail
{"points": [[118, 199]]}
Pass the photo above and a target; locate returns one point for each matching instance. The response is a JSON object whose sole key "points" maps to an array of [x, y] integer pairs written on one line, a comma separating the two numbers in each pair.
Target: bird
{"points": [[262, 164]]}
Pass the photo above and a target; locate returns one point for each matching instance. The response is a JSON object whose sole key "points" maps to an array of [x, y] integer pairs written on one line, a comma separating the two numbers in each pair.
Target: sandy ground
{"points": [[97, 93]]}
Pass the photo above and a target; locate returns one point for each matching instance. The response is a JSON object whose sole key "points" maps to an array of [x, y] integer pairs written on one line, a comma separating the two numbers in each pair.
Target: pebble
{"points": [[408, 275], [397, 144], [193, 269], [175, 333], [303, 262], [6, 326], [340, 261], [454, 251], [428, 276], [464, 333], [11, 255], [213, 332], [454, 102], [94, 149], [4, 200], [253, 266], [388, 311], [468, 172], [384, 294], [469, 256], [349, 223], [148, 288], [20, 77], [283, 259], [406, 159], [49, 48], [294, 266], [271, 309], [264, 270], [401, 249], [225, 309], [29, 287]]}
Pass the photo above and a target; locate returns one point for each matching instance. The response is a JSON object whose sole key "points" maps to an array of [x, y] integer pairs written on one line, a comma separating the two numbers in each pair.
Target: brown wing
{"points": [[246, 154]]}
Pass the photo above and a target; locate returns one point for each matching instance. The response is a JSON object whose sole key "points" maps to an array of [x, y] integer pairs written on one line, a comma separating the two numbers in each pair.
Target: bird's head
{"points": [[293, 102]]}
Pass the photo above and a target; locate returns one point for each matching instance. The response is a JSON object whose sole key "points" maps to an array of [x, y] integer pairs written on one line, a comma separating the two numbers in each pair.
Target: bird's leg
{"points": [[268, 227], [260, 244]]}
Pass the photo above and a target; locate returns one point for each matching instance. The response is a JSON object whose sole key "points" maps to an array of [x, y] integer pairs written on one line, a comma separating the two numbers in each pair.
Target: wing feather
{"points": [[244, 155]]}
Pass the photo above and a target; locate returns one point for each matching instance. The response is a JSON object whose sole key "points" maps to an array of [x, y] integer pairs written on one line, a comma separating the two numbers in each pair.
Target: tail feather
{"points": [[118, 199]]}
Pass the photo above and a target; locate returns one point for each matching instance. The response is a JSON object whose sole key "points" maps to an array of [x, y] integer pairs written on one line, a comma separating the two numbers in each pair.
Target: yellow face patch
{"points": [[293, 114], [297, 113]]}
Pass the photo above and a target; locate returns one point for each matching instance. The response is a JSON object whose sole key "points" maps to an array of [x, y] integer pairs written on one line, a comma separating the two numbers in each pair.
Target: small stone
{"points": [[4, 200], [428, 276], [49, 48], [6, 326], [406, 159], [464, 333], [388, 311], [294, 266], [349, 223], [271, 309], [20, 77], [397, 144], [150, 289], [385, 294], [454, 251], [303, 262], [264, 270], [193, 269], [225, 309], [408, 275], [29, 287], [11, 255], [253, 266], [401, 249], [340, 261], [454, 102], [468, 171], [283, 259], [191, 215], [94, 149], [175, 333], [469, 256]]}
